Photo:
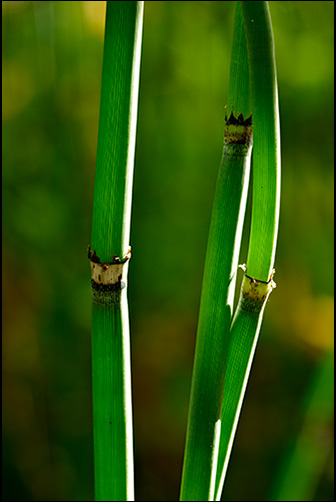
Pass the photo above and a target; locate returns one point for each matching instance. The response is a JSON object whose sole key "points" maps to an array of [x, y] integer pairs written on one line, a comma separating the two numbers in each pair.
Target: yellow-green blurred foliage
{"points": [[52, 57]]}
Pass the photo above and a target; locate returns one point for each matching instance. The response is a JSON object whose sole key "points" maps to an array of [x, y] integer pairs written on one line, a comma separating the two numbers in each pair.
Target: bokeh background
{"points": [[52, 58]]}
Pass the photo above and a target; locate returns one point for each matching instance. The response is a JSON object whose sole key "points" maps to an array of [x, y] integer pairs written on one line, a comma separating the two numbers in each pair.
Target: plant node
{"points": [[108, 279], [254, 293], [237, 130]]}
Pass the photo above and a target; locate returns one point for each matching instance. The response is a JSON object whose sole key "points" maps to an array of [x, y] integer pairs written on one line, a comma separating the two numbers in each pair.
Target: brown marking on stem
{"points": [[93, 256], [238, 131], [232, 120], [254, 293]]}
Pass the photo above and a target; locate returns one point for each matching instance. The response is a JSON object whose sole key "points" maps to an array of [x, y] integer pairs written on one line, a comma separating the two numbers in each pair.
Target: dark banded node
{"points": [[254, 293], [238, 131], [108, 279]]}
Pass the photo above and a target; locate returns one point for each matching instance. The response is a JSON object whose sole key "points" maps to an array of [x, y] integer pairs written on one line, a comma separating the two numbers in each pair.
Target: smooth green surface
{"points": [[111, 371], [240, 359], [203, 430], [266, 140], [239, 82], [117, 128], [213, 327], [112, 405], [244, 333], [265, 214]]}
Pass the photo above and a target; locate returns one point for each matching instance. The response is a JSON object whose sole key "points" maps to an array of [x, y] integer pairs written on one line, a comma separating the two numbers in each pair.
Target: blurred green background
{"points": [[52, 58]]}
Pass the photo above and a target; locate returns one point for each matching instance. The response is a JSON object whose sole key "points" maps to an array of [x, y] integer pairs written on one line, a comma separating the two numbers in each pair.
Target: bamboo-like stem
{"points": [[244, 334], [266, 140], [117, 129], [109, 253], [257, 283], [239, 84], [112, 402], [203, 430]]}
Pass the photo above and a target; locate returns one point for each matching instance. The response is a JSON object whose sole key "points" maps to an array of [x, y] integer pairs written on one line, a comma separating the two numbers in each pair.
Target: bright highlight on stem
{"points": [[204, 420], [258, 281], [109, 253], [266, 140], [203, 430], [117, 130], [224, 350]]}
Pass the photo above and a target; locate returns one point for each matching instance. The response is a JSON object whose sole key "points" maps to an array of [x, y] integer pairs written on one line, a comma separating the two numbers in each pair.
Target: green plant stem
{"points": [[112, 405], [117, 129], [266, 140], [257, 283], [203, 430], [244, 334], [111, 372], [239, 84]]}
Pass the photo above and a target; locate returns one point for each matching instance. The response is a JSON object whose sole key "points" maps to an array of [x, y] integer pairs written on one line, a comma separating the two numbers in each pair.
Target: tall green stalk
{"points": [[203, 430], [109, 253], [257, 283], [266, 140]]}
